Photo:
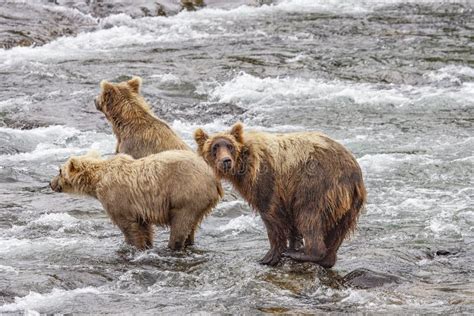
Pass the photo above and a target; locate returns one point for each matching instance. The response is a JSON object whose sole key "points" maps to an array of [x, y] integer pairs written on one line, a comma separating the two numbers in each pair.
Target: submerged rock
{"points": [[367, 279]]}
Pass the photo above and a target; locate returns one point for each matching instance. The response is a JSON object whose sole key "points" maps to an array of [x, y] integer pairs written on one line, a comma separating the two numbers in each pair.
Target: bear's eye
{"points": [[230, 147], [214, 148]]}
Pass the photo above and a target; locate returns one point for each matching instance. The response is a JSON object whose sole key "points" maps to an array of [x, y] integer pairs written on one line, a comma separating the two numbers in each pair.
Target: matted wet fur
{"points": [[174, 188], [307, 188], [138, 131]]}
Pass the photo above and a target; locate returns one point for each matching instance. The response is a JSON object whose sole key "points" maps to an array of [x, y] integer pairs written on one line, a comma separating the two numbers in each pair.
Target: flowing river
{"points": [[391, 80]]}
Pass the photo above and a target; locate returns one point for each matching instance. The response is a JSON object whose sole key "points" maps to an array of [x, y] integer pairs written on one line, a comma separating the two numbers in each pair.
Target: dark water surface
{"points": [[391, 80]]}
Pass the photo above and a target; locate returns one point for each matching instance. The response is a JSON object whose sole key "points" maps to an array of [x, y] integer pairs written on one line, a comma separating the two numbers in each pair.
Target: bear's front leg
{"points": [[137, 234], [277, 235]]}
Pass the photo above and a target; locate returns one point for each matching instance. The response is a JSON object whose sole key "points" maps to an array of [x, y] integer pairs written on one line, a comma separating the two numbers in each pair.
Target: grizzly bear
{"points": [[138, 131], [307, 188], [174, 188]]}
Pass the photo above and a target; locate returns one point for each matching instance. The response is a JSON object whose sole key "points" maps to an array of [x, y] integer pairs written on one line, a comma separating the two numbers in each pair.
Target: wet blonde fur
{"points": [[174, 188]]}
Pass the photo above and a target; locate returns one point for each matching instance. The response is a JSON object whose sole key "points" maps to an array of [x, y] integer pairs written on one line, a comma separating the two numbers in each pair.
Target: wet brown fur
{"points": [[304, 185], [174, 188], [138, 131]]}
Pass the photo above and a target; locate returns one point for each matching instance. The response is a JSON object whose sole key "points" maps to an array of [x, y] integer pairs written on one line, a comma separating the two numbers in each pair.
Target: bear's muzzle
{"points": [[55, 186], [97, 104]]}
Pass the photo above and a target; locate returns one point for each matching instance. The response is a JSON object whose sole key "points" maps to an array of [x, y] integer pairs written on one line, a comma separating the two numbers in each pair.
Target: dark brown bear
{"points": [[302, 184]]}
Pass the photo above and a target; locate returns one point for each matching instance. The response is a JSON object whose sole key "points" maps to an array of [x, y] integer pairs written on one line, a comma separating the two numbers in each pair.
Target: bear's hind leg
{"points": [[336, 236], [295, 241], [182, 225], [314, 249], [148, 233]]}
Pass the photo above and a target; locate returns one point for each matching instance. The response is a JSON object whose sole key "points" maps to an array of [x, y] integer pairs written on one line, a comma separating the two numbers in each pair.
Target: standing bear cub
{"points": [[174, 188], [138, 131], [304, 185]]}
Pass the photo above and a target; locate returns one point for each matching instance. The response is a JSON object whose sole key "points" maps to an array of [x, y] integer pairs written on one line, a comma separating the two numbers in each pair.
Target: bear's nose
{"points": [[55, 187], [226, 163], [96, 104]]}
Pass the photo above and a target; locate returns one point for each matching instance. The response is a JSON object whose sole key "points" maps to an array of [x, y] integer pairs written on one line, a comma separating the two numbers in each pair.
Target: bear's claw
{"points": [[301, 256], [272, 258]]}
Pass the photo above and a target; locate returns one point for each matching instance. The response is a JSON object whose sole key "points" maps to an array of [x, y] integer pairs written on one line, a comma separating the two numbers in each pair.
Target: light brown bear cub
{"points": [[138, 131], [302, 184], [174, 188]]}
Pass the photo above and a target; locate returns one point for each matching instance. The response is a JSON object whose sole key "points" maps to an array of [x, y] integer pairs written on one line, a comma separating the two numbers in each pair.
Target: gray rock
{"points": [[367, 279]]}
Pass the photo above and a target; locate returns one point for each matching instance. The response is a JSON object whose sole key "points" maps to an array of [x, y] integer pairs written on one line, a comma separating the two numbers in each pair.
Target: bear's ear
{"points": [[106, 86], [237, 131], [74, 166], [200, 137], [135, 83]]}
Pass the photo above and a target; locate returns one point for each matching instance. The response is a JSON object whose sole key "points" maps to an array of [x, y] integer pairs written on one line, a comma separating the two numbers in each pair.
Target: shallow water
{"points": [[391, 80]]}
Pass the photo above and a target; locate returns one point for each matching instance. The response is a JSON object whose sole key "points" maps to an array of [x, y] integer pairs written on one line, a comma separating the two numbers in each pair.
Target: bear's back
{"points": [[180, 173], [286, 151]]}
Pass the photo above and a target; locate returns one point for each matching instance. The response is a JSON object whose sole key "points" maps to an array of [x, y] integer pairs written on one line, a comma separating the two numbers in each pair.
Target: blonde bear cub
{"points": [[174, 188]]}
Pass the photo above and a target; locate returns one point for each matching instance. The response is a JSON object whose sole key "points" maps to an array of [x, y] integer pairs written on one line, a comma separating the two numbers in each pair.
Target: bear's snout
{"points": [[225, 164], [54, 185], [97, 104]]}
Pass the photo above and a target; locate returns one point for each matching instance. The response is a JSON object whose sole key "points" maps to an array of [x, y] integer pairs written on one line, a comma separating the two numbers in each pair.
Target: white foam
{"points": [[243, 223], [268, 93], [297, 58], [20, 248], [61, 218], [458, 70], [167, 78], [8, 269], [186, 129], [23, 101], [57, 222], [37, 301], [56, 141], [249, 91], [441, 226], [326, 6], [380, 163], [42, 133], [418, 204], [73, 13]]}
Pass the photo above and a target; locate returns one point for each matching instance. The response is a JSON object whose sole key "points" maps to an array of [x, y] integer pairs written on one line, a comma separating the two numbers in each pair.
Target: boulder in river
{"points": [[367, 279]]}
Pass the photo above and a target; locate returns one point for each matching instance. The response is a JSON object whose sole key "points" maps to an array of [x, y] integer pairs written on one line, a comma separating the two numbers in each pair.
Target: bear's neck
{"points": [[88, 181], [250, 165], [130, 117]]}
